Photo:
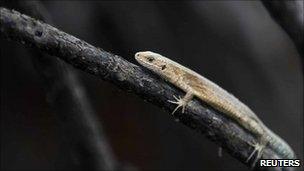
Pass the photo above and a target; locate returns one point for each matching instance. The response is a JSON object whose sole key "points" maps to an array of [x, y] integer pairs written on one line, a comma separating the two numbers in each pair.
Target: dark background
{"points": [[233, 43]]}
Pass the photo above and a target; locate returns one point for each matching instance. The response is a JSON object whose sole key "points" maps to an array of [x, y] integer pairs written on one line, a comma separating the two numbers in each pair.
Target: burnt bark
{"points": [[81, 130], [130, 77]]}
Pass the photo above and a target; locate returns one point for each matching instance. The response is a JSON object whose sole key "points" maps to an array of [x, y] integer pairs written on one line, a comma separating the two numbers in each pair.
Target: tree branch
{"points": [[199, 116], [67, 97]]}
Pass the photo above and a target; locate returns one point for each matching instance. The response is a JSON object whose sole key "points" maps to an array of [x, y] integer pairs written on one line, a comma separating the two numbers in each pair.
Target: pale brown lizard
{"points": [[196, 85]]}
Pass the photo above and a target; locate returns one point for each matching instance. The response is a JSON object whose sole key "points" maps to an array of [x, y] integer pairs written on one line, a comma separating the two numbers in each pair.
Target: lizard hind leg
{"points": [[181, 102], [258, 149]]}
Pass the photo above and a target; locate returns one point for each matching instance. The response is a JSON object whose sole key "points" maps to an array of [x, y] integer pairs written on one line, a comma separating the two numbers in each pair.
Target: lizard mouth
{"points": [[137, 56], [150, 60], [144, 58]]}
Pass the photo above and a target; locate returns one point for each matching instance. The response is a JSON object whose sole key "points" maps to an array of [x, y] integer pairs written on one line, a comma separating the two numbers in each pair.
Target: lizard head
{"points": [[158, 64]]}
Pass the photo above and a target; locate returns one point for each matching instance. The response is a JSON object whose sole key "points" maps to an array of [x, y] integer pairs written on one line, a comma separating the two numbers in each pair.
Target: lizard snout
{"points": [[137, 56]]}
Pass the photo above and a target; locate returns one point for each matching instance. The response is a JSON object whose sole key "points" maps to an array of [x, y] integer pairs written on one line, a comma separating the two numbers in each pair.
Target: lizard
{"points": [[196, 85]]}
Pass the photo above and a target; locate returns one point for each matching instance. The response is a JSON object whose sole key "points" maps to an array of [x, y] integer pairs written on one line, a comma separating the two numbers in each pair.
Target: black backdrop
{"points": [[234, 43]]}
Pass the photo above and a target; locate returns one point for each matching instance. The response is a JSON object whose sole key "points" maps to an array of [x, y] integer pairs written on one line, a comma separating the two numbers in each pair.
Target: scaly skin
{"points": [[196, 85]]}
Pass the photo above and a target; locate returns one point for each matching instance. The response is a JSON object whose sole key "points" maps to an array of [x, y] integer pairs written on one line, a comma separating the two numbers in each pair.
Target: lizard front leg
{"points": [[182, 102]]}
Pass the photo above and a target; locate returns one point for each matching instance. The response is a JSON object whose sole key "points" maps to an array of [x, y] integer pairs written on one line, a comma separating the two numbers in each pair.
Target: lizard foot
{"points": [[258, 149], [220, 152], [180, 103]]}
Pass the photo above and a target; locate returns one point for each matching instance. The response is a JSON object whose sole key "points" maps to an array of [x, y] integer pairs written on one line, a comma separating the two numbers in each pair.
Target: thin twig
{"points": [[198, 116], [67, 97]]}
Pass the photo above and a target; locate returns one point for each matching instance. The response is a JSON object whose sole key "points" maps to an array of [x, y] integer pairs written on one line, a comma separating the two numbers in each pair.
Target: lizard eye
{"points": [[150, 59], [163, 67]]}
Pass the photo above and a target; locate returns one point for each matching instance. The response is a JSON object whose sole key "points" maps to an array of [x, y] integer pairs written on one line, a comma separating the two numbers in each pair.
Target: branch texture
{"points": [[71, 106], [198, 116]]}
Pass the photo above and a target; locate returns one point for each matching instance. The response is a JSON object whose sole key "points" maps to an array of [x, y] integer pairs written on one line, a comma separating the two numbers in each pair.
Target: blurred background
{"points": [[236, 44]]}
